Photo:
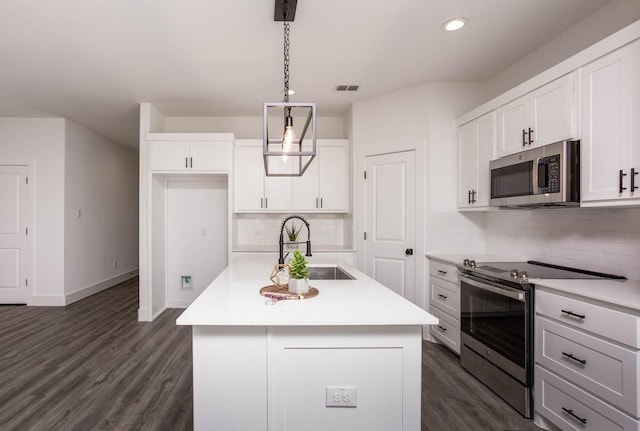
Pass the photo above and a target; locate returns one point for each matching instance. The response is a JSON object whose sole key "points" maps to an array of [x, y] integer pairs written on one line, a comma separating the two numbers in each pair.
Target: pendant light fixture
{"points": [[286, 153]]}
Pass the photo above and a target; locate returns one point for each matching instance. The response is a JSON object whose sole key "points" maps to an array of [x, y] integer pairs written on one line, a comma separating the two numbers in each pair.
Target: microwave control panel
{"points": [[549, 174]]}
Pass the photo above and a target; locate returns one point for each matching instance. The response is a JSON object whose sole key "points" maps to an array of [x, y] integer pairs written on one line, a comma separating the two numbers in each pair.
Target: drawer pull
{"points": [[584, 421], [571, 313], [570, 356], [442, 296], [442, 272], [442, 328]]}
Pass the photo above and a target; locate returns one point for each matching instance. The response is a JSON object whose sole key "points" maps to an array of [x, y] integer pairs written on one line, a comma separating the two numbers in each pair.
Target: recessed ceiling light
{"points": [[454, 24]]}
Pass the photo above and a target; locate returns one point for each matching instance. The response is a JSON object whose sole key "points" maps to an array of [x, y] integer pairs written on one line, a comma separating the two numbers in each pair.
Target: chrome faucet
{"points": [[282, 255]]}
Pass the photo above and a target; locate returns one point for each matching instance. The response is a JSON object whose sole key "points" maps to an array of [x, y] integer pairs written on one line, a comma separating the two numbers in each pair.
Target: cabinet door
{"points": [[305, 195], [467, 146], [333, 179], [512, 121], [249, 179], [553, 109], [209, 156], [606, 125], [476, 141], [168, 155], [486, 140], [277, 190]]}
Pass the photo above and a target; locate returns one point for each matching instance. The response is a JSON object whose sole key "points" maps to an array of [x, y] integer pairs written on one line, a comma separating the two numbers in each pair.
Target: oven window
{"points": [[513, 180], [496, 321]]}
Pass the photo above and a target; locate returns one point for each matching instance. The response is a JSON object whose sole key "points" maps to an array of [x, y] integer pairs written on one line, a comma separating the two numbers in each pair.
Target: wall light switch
{"points": [[342, 396]]}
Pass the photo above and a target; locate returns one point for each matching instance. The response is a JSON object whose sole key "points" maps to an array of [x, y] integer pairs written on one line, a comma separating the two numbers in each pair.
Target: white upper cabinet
{"points": [[255, 192], [322, 188], [544, 116], [185, 152], [610, 145], [476, 142]]}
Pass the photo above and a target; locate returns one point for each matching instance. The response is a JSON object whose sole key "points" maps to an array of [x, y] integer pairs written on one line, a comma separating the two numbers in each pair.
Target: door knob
{"points": [[409, 252]]}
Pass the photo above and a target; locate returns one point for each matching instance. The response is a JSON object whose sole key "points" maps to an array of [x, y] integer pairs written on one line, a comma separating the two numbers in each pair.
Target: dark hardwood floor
{"points": [[92, 366]]}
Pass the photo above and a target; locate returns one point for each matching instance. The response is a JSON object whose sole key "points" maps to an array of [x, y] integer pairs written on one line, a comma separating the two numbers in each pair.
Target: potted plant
{"points": [[292, 234], [298, 274]]}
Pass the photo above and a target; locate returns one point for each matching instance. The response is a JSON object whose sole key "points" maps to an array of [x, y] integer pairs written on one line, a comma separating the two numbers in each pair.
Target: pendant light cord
{"points": [[286, 62]]}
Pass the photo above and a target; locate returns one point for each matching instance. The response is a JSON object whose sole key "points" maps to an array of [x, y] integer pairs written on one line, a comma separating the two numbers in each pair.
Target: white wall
{"points": [[248, 127], [447, 230], [392, 122], [606, 240], [101, 181], [423, 119], [39, 144], [262, 231], [197, 232], [605, 21]]}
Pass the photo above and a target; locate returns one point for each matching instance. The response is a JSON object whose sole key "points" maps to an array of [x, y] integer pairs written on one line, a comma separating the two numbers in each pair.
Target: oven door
{"points": [[495, 323]]}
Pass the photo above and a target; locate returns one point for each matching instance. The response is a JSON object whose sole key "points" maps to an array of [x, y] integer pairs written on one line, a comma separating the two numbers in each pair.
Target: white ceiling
{"points": [[93, 61]]}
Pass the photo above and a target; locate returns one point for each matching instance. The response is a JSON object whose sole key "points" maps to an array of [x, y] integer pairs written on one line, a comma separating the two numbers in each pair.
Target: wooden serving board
{"points": [[273, 291]]}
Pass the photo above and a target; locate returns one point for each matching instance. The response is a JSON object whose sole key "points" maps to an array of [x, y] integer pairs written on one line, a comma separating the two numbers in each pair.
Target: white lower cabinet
{"points": [[587, 364], [444, 300], [571, 408]]}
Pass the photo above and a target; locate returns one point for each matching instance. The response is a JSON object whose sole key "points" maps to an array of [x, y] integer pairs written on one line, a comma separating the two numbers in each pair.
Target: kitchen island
{"points": [[357, 345]]}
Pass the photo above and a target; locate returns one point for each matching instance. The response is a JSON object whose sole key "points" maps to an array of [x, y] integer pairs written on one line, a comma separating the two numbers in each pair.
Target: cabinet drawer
{"points": [[445, 295], [555, 397], [612, 324], [447, 330], [443, 270], [604, 369]]}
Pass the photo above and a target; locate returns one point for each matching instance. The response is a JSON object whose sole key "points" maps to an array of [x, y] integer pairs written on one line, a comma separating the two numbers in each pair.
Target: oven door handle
{"points": [[513, 294]]}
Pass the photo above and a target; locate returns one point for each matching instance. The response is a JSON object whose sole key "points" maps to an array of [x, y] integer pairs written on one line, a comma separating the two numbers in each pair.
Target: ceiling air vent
{"points": [[347, 87]]}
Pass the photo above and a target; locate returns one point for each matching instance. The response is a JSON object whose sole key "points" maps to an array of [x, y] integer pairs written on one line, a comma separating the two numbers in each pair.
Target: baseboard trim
{"points": [[95, 288], [178, 304], [46, 301], [143, 315]]}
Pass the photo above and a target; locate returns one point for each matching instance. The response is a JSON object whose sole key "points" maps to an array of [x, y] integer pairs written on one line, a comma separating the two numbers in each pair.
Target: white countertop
{"points": [[622, 293], [233, 299], [456, 259]]}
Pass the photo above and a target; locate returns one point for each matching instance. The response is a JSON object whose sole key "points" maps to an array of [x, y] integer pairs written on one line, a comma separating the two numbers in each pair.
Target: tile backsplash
{"points": [[606, 240], [264, 229]]}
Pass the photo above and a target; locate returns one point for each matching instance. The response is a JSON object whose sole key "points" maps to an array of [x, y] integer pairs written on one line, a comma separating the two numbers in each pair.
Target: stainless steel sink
{"points": [[328, 273]]}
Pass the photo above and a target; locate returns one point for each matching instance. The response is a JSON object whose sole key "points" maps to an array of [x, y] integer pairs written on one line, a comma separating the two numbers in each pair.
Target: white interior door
{"points": [[390, 221], [13, 236]]}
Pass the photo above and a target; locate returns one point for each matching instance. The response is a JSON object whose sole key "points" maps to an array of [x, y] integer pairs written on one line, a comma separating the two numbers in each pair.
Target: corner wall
{"points": [[100, 212], [422, 119]]}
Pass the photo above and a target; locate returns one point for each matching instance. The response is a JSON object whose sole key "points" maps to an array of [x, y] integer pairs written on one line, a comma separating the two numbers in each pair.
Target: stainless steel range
{"points": [[497, 324]]}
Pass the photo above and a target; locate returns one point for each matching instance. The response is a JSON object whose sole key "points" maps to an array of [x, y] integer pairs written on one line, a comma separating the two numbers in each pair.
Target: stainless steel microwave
{"points": [[546, 176]]}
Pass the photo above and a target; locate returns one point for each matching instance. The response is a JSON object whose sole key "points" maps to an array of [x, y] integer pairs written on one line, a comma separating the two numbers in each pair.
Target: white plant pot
{"points": [[298, 286]]}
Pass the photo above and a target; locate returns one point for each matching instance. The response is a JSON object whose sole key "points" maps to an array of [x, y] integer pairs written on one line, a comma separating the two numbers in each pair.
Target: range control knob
{"points": [[523, 275], [514, 273], [472, 263], [465, 262]]}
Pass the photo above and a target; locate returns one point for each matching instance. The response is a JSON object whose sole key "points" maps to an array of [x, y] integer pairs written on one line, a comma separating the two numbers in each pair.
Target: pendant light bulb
{"points": [[288, 136]]}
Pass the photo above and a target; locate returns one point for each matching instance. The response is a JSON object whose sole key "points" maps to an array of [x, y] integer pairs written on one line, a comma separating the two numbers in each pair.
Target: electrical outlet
{"points": [[342, 396], [115, 264]]}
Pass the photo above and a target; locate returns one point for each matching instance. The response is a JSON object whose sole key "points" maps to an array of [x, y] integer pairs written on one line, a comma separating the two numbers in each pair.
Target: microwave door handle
{"points": [[534, 177], [513, 294]]}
